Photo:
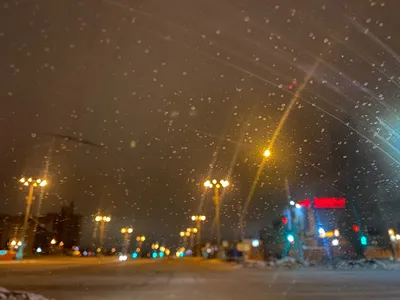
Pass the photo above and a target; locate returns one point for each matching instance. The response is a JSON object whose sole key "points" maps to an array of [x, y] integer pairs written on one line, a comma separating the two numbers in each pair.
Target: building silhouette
{"points": [[63, 228]]}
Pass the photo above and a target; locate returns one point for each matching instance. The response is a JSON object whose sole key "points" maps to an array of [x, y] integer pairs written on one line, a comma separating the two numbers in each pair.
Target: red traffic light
{"points": [[356, 228], [284, 220]]}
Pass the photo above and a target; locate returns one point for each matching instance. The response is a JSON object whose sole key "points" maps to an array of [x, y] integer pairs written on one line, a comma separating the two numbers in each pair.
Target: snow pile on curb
{"points": [[338, 264], [8, 295], [254, 264], [251, 264], [288, 262], [368, 264]]}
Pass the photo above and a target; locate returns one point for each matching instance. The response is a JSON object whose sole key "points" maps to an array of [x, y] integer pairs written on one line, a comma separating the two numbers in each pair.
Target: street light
{"points": [[32, 183], [198, 219], [140, 238], [102, 220], [267, 153], [217, 185], [191, 232], [126, 231]]}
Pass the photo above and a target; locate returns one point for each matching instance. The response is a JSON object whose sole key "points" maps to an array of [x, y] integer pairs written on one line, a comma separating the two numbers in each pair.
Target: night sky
{"points": [[176, 92]]}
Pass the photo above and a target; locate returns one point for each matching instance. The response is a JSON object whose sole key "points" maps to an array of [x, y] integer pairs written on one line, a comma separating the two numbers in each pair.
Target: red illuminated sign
{"points": [[324, 203], [305, 203], [329, 203]]}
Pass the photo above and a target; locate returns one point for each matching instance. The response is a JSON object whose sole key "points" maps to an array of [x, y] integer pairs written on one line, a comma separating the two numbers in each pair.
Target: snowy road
{"points": [[193, 279]]}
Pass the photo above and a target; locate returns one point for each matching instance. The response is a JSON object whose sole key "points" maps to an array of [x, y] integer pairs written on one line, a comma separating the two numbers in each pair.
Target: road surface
{"points": [[194, 279]]}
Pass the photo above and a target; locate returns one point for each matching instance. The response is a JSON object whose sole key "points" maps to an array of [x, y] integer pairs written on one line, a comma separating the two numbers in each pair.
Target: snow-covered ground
{"points": [[196, 279], [291, 263]]}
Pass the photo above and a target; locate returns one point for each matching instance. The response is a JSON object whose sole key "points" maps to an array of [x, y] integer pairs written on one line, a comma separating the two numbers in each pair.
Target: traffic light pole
{"points": [[298, 236], [294, 223]]}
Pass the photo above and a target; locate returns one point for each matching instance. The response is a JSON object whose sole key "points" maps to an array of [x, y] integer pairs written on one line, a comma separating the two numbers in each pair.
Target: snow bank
{"points": [[251, 264], [288, 262], [368, 264]]}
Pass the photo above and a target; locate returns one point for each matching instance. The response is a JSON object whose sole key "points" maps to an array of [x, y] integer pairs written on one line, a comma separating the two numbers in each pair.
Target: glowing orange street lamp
{"points": [[267, 153], [216, 185], [102, 220], [31, 183], [198, 219]]}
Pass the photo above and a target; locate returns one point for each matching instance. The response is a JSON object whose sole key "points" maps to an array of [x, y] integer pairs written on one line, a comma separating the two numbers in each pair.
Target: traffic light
{"points": [[290, 238], [364, 240], [154, 255], [134, 255], [278, 223], [356, 228]]}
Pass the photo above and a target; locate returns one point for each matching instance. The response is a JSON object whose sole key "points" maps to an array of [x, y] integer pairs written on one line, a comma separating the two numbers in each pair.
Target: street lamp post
{"points": [[32, 183], [198, 220], [217, 185], [155, 246], [184, 235], [102, 220], [140, 240], [191, 232], [266, 154], [126, 232]]}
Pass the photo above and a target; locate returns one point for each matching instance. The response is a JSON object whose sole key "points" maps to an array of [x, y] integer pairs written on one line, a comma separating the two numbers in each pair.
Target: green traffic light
{"points": [[364, 240], [290, 238]]}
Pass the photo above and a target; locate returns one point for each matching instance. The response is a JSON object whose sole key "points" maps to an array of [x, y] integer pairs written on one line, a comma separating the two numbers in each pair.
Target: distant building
{"points": [[11, 228], [67, 227], [62, 228]]}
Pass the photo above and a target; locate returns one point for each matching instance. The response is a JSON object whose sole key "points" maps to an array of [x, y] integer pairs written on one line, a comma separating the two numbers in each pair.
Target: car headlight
{"points": [[123, 258]]}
